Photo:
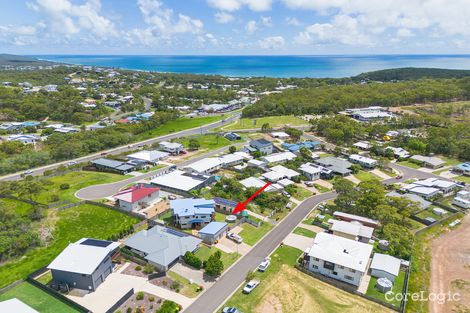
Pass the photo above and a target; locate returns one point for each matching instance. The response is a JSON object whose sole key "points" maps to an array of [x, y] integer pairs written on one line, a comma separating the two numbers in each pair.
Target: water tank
{"points": [[231, 219], [383, 245], [384, 285]]}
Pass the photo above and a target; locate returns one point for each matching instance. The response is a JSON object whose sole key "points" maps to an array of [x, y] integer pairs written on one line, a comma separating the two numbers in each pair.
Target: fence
{"points": [[156, 275], [22, 200], [343, 286], [439, 222], [121, 301], [405, 288], [11, 286]]}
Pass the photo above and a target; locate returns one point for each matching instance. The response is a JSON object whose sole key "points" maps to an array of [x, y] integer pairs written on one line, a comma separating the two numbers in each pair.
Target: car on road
{"points": [[235, 237], [230, 310], [28, 172], [252, 284], [103, 153], [71, 163], [172, 168], [264, 265], [399, 177]]}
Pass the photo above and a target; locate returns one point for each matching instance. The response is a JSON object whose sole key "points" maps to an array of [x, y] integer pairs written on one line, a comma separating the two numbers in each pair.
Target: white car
{"points": [[252, 284], [28, 172], [264, 265], [235, 237], [71, 163], [230, 310]]}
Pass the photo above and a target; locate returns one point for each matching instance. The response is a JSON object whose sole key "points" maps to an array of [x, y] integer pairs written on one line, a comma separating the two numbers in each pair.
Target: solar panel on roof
{"points": [[174, 232], [96, 243]]}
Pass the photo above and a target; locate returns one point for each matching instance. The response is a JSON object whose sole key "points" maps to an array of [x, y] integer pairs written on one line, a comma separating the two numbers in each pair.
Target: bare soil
{"points": [[450, 269]]}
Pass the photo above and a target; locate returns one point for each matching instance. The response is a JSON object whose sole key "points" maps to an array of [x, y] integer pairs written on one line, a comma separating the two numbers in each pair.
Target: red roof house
{"points": [[136, 197]]}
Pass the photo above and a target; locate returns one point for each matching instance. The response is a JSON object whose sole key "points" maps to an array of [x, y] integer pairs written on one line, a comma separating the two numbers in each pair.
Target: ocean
{"points": [[273, 66]]}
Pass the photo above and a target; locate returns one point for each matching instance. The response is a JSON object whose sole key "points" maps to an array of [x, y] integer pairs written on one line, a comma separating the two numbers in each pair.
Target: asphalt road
{"points": [[106, 190], [189, 132]]}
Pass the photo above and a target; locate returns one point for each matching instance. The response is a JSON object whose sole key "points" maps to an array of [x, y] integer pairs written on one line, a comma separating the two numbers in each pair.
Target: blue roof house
{"points": [[463, 168], [295, 147], [192, 213], [213, 231]]}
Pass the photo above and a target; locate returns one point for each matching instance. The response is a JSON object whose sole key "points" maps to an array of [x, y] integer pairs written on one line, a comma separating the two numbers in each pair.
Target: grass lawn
{"points": [[274, 121], [68, 226], [285, 289], [76, 180], [429, 213], [37, 299], [450, 161], [153, 168], [178, 125], [204, 252], [465, 179], [409, 164], [301, 193], [440, 171], [20, 207], [397, 288], [187, 289], [219, 217], [365, 176], [208, 142], [320, 188], [304, 232], [45, 278], [252, 234]]}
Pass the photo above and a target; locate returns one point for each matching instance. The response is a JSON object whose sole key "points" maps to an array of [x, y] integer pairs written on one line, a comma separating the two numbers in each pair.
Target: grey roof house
{"points": [[384, 265], [84, 264], [262, 145], [423, 204], [337, 165], [161, 246]]}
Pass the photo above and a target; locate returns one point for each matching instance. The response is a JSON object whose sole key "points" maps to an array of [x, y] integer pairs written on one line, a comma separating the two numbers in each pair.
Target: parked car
{"points": [[28, 172], [171, 197], [71, 163], [235, 237], [309, 183], [399, 177], [172, 168], [104, 153], [252, 284], [264, 265], [230, 310]]}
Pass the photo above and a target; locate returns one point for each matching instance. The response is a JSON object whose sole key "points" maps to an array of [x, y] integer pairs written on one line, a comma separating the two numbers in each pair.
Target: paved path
{"points": [[106, 190]]}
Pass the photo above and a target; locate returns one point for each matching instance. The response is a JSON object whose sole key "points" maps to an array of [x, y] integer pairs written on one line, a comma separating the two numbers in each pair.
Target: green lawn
{"points": [[45, 278], [450, 161], [187, 289], [207, 142], [429, 213], [20, 207], [324, 155], [321, 188], [153, 168], [274, 121], [465, 179], [69, 225], [76, 180], [37, 299], [397, 288], [365, 176], [304, 232], [301, 193], [251, 234], [228, 259], [409, 164]]}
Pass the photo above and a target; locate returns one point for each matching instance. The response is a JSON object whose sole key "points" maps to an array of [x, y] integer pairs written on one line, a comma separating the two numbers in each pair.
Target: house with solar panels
{"points": [[224, 205], [84, 264], [192, 213]]}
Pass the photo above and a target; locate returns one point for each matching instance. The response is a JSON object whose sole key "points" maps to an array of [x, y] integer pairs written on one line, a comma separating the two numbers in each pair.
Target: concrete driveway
{"points": [[231, 246], [117, 285], [298, 241], [196, 276]]}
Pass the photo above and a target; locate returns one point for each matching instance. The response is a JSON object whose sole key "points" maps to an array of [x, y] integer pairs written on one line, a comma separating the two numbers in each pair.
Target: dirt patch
{"points": [[133, 269], [450, 269], [297, 292]]}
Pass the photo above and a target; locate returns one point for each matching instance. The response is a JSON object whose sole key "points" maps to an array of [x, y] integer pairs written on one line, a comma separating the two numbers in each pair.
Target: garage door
{"points": [[107, 271], [98, 281]]}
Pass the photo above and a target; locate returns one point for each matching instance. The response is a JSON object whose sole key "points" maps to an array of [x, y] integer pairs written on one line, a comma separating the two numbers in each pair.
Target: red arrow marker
{"points": [[242, 205]]}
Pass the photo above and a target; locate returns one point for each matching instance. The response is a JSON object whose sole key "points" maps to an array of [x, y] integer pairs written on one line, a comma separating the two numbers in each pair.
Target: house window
{"points": [[328, 265], [352, 270], [315, 267], [348, 277], [316, 259], [341, 267]]}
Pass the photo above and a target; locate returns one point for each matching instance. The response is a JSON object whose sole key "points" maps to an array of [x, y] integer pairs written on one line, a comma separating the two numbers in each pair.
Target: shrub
{"points": [[54, 198], [151, 298], [192, 260], [138, 268], [129, 310], [64, 186], [149, 269], [175, 285], [169, 307], [214, 266], [249, 276], [140, 295]]}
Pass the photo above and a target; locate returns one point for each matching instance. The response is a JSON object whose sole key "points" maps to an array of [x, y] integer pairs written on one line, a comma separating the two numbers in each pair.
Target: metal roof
{"points": [[190, 207], [17, 306], [386, 263], [213, 228]]}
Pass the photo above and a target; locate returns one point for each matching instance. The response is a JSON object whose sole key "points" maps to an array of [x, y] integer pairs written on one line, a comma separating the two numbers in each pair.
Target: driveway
{"points": [[231, 246], [117, 285], [196, 276], [298, 241]]}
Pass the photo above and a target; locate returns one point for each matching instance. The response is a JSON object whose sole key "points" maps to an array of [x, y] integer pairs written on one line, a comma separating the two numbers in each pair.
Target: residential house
{"points": [[192, 213], [229, 160], [363, 161], [149, 157], [336, 165], [264, 146], [312, 172], [173, 148], [432, 183], [285, 172], [279, 157], [431, 162], [256, 163], [17, 306], [280, 135], [84, 264], [363, 145], [273, 176], [232, 136], [462, 199], [162, 247], [463, 168], [136, 197], [339, 258], [399, 153], [115, 166], [253, 182], [295, 147], [25, 139], [352, 230], [384, 265], [181, 182], [351, 218], [204, 166], [425, 192], [244, 155], [213, 231], [423, 204], [224, 205]]}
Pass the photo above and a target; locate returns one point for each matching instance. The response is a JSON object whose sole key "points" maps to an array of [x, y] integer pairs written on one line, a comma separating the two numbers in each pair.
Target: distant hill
{"points": [[412, 73], [19, 60]]}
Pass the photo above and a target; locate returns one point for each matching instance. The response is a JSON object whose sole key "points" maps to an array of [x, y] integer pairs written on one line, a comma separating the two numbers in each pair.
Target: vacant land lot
{"points": [[228, 259], [283, 289], [252, 234], [304, 232], [67, 226], [207, 142], [37, 299], [365, 176], [274, 121]]}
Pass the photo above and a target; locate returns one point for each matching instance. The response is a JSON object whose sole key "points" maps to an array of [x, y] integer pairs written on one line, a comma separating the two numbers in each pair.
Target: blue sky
{"points": [[234, 26]]}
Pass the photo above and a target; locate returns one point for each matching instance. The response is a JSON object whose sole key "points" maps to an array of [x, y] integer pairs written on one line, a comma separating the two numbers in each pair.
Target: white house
{"points": [[431, 162], [192, 213], [351, 230], [425, 192], [136, 197], [286, 172], [363, 145], [171, 147], [204, 166], [229, 160], [399, 152], [384, 265], [253, 182], [151, 157], [312, 172], [363, 161], [25, 139], [280, 135], [279, 157], [462, 199], [17, 306], [444, 186], [339, 258], [273, 176], [256, 163]]}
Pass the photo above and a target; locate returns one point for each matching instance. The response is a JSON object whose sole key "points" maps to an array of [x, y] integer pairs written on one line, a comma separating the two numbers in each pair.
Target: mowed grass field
{"points": [[251, 234], [37, 299], [284, 289], [205, 252], [67, 226], [208, 142], [274, 121]]}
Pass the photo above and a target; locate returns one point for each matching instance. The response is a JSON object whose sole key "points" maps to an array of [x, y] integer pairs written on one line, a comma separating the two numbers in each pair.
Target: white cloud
{"points": [[404, 32], [292, 21], [267, 21], [251, 27], [233, 5], [272, 43], [224, 17]]}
